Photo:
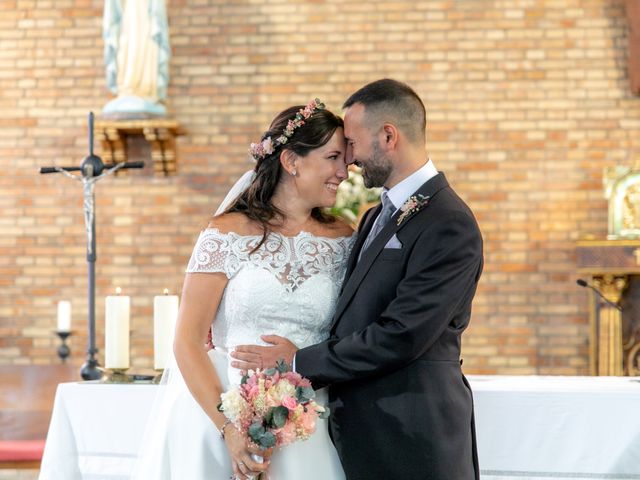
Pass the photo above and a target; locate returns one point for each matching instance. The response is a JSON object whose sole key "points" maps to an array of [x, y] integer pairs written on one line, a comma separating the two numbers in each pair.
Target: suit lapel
{"points": [[359, 270]]}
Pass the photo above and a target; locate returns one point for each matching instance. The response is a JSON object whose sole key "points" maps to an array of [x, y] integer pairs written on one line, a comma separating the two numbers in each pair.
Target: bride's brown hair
{"points": [[256, 201]]}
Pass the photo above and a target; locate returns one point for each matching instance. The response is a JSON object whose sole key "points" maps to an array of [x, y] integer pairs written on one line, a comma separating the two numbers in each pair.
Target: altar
{"points": [[528, 427]]}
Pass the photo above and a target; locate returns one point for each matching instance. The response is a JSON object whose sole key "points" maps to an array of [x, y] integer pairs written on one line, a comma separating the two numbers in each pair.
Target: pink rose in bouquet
{"points": [[273, 407]]}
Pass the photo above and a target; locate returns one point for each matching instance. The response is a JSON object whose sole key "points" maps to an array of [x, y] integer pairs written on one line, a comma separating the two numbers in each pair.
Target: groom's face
{"points": [[363, 148]]}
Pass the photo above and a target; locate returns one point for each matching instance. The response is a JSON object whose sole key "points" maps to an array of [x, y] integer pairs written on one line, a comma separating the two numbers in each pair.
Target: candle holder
{"points": [[158, 377], [63, 349], [118, 375]]}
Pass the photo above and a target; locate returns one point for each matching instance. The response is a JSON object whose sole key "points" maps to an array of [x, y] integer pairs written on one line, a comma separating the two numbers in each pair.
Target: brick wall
{"points": [[527, 102]]}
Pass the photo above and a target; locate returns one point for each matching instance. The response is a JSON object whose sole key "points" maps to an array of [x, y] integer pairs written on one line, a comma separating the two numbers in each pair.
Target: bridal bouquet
{"points": [[273, 407]]}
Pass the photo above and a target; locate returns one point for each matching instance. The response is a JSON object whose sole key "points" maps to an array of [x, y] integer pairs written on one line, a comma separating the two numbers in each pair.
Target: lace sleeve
{"points": [[214, 253]]}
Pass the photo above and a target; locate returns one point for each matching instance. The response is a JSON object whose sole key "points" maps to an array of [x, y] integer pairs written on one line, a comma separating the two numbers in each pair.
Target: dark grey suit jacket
{"points": [[400, 405]]}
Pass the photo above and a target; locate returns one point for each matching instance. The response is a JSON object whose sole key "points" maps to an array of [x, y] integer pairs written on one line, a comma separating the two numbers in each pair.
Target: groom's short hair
{"points": [[391, 101]]}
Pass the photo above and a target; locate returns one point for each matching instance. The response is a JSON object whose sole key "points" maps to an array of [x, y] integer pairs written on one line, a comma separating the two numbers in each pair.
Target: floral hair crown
{"points": [[267, 146]]}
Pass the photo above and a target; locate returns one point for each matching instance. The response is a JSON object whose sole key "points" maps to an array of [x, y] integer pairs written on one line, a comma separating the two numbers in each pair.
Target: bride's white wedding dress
{"points": [[288, 287]]}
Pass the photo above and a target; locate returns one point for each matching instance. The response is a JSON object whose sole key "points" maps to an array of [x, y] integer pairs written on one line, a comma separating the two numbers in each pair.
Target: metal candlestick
{"points": [[158, 377], [92, 169], [63, 349], [118, 375]]}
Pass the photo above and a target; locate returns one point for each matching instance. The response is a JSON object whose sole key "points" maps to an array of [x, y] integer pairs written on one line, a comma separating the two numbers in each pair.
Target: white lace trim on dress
{"points": [[292, 260]]}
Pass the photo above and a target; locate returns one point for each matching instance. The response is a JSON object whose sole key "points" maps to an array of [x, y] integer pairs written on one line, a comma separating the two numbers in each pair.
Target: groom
{"points": [[400, 406]]}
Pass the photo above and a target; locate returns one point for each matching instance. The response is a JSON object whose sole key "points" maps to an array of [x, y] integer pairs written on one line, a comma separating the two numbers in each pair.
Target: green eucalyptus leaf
{"points": [[267, 440], [280, 416], [304, 394], [256, 431], [270, 371], [324, 415], [282, 366], [268, 417]]}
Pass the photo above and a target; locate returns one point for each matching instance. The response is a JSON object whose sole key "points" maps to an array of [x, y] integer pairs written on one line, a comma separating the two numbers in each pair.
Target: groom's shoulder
{"points": [[446, 197]]}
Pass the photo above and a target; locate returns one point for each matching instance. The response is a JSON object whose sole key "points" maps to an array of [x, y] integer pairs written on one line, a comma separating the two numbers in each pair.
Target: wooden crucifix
{"points": [[92, 169]]}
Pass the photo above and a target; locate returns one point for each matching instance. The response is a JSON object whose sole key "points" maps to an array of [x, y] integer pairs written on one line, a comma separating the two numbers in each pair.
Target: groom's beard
{"points": [[377, 169]]}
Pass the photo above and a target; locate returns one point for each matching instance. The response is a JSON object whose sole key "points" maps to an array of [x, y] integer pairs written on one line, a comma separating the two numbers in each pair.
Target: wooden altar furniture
{"points": [[614, 269], [159, 133]]}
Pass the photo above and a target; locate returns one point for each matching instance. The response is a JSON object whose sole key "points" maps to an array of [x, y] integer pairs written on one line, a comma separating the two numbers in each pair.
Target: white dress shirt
{"points": [[407, 187]]}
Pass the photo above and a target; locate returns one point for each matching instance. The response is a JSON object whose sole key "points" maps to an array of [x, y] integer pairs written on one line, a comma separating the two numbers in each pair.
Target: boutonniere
{"points": [[411, 206]]}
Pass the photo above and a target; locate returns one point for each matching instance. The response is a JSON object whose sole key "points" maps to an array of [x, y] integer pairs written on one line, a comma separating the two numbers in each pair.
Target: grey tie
{"points": [[387, 211]]}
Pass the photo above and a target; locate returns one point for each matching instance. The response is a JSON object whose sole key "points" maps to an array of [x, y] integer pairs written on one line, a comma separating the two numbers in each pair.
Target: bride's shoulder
{"points": [[233, 222], [338, 228]]}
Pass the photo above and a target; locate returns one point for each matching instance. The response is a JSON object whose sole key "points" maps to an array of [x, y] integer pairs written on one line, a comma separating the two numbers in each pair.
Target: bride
{"points": [[270, 263]]}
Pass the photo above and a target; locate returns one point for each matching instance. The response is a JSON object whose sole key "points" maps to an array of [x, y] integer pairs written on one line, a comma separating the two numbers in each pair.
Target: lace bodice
{"points": [[288, 287]]}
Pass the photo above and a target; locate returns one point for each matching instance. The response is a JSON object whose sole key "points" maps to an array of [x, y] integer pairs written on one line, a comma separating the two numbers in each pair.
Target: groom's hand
{"points": [[251, 357]]}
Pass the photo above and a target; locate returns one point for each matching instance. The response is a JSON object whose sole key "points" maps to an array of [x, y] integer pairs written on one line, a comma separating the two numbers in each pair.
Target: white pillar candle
{"points": [[165, 314], [64, 316], [117, 331]]}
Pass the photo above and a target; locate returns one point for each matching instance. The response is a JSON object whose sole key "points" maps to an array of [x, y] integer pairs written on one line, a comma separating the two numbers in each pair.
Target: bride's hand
{"points": [[240, 452], [251, 357]]}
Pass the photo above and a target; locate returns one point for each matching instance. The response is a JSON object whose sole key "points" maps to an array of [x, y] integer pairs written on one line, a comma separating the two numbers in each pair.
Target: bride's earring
{"points": [[294, 172]]}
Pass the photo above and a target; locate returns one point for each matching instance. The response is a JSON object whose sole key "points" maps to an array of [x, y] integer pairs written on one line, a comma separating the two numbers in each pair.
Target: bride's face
{"points": [[320, 172]]}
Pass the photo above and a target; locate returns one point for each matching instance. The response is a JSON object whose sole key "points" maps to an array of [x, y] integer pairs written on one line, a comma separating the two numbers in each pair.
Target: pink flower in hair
{"points": [[260, 150], [267, 146]]}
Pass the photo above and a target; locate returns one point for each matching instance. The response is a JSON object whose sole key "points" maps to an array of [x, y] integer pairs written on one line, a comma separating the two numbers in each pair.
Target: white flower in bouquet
{"points": [[234, 404], [284, 389]]}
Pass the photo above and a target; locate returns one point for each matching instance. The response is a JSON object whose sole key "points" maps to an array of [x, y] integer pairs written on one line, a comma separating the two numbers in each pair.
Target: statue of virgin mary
{"points": [[136, 57]]}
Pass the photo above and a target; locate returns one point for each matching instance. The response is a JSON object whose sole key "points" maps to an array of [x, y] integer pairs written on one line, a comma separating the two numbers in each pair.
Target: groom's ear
{"points": [[288, 160], [389, 133]]}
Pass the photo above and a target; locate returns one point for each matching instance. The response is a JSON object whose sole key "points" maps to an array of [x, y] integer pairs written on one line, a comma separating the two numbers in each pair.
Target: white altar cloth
{"points": [[95, 430], [529, 428], [534, 428]]}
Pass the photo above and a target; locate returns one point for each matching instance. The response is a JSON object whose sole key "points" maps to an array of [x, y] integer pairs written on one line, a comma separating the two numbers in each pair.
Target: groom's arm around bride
{"points": [[400, 405]]}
